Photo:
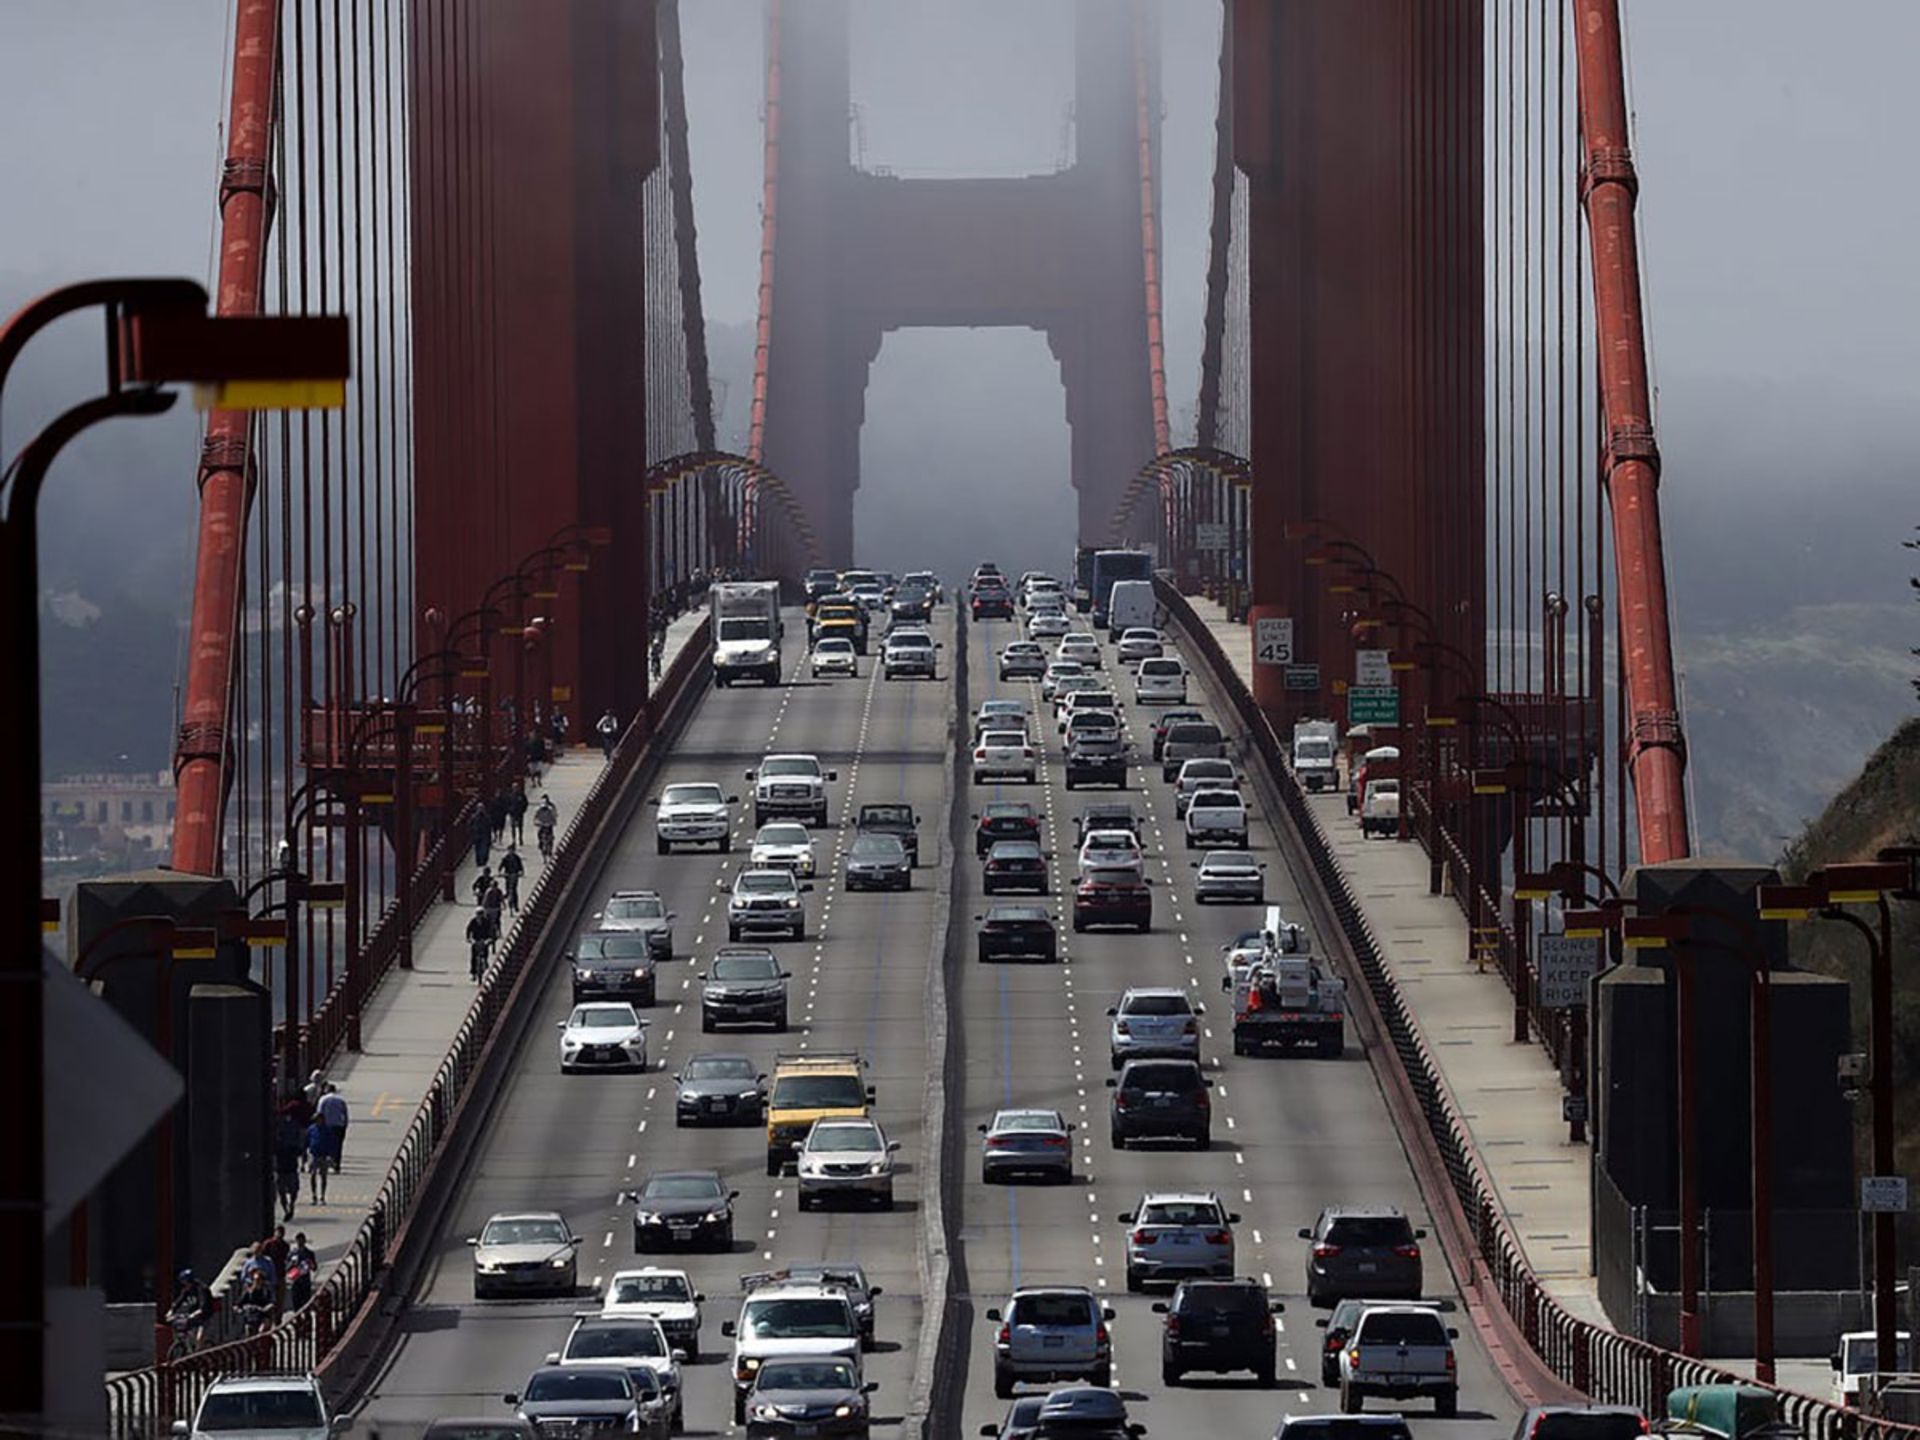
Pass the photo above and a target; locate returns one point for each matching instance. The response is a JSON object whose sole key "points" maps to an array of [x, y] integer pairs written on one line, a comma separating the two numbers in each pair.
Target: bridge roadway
{"points": [[1290, 1135]]}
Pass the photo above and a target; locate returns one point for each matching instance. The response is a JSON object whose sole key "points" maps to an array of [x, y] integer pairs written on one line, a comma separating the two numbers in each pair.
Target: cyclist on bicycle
{"points": [[544, 819], [188, 1314]]}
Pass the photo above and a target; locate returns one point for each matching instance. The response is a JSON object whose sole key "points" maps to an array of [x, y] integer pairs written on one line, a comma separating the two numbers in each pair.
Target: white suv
{"points": [[287, 1407], [789, 1319], [790, 785]]}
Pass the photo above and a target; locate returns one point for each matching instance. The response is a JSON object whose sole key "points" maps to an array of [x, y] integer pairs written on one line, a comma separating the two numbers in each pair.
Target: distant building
{"points": [[114, 816]]}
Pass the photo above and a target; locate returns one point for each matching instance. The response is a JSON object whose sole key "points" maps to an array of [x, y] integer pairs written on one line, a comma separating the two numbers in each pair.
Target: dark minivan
{"points": [[1369, 1250]]}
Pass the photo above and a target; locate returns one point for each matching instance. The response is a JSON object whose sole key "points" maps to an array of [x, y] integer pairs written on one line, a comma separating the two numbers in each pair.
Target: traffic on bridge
{"points": [[679, 917]]}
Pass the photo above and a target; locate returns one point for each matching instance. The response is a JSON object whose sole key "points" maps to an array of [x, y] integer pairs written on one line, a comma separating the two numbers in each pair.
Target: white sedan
{"points": [[1022, 660], [784, 845], [1111, 850], [1081, 647], [1047, 624], [603, 1036], [835, 656], [1056, 672]]}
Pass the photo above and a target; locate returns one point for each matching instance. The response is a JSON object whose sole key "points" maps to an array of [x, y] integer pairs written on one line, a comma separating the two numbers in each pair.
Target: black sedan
{"points": [[878, 862], [1014, 865], [613, 965], [719, 1090], [1008, 820], [1018, 930], [683, 1208], [808, 1395]]}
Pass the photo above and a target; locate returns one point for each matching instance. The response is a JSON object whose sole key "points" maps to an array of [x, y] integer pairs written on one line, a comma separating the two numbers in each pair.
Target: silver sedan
{"points": [[1026, 1142], [1229, 875]]}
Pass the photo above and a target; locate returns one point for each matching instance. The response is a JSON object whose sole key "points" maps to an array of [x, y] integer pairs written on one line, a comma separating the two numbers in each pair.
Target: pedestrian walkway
{"points": [[1507, 1093], [410, 1022]]}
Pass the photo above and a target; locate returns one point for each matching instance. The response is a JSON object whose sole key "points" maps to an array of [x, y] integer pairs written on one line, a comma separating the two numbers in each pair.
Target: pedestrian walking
{"points": [[275, 1248], [497, 813], [512, 867], [480, 832], [481, 884], [319, 1160], [316, 1083], [301, 1264], [560, 724], [517, 814], [609, 732], [544, 819], [493, 902], [289, 1139], [479, 944], [333, 1114]]}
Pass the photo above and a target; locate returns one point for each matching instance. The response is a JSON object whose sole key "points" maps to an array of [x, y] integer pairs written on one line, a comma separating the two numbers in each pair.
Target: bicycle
{"points": [[189, 1335]]}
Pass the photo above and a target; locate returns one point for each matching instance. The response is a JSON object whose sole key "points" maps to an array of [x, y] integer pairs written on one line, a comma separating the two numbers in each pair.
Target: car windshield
{"points": [[1053, 1311], [1206, 770], [806, 1375], [1018, 810], [611, 947], [1014, 850], [1180, 1212], [1016, 915], [1114, 840], [764, 882], [692, 795], [1160, 1077], [746, 967], [1590, 1425], [1193, 735], [910, 642], [1003, 737], [1227, 864], [1222, 1300], [1090, 700], [1022, 647], [1160, 666], [1066, 669], [524, 1232], [603, 1017], [1337, 1427], [721, 1067], [608, 1341], [1401, 1328], [819, 1092], [1216, 800], [789, 765], [1313, 749], [1087, 720], [1157, 1005], [1028, 1120], [1135, 632], [292, 1408], [783, 835], [640, 1289], [885, 815], [797, 1319], [1361, 1231], [637, 907], [845, 1137], [885, 846], [681, 1187], [1002, 707], [743, 629], [551, 1385], [834, 645]]}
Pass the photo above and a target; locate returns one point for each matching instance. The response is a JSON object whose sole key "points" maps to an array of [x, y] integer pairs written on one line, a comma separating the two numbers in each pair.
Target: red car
{"points": [[1112, 897]]}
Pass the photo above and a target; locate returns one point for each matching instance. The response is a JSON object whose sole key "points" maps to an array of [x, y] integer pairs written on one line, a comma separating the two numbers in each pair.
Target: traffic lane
{"points": [[544, 1131], [567, 1143], [1333, 1142], [1305, 1132]]}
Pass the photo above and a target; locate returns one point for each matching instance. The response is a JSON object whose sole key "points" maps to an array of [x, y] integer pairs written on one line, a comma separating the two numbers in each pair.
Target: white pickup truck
{"points": [[790, 785], [1399, 1350], [1217, 817]]}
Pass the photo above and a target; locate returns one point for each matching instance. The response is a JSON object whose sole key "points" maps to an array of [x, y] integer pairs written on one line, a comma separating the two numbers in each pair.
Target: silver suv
{"points": [[1174, 1235], [640, 912], [1048, 1333], [1154, 1022], [766, 901]]}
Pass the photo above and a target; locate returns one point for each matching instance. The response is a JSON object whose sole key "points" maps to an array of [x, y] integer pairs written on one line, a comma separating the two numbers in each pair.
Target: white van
{"points": [[1131, 604]]}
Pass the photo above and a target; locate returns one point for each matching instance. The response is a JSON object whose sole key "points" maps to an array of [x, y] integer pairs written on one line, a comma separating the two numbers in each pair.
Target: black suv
{"points": [[912, 604], [1106, 815], [613, 965], [1018, 930], [895, 820], [1160, 1099], [1005, 820], [1217, 1325], [1581, 1422]]}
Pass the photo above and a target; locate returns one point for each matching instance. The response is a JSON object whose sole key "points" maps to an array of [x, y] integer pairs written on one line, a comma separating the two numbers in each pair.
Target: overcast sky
{"points": [[1777, 226]]}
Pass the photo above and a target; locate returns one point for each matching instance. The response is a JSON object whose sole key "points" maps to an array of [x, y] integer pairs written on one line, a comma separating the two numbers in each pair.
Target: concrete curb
{"points": [[928, 1398]]}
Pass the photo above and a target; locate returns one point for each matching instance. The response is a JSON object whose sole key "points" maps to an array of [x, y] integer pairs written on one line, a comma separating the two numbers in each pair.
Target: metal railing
{"points": [[1609, 1366], [143, 1403]]}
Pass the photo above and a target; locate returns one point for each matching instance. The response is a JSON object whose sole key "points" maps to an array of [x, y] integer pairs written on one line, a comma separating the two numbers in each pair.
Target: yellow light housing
{"points": [[271, 395]]}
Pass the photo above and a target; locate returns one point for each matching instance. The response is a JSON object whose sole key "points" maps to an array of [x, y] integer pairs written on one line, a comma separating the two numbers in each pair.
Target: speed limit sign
{"points": [[1273, 640]]}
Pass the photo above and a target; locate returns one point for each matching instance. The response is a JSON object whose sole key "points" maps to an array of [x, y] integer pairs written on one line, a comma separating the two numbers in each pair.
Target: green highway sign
{"points": [[1373, 705]]}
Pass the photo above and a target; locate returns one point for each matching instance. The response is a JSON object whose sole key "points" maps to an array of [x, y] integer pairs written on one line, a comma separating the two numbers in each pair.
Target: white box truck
{"points": [[746, 631], [1313, 761]]}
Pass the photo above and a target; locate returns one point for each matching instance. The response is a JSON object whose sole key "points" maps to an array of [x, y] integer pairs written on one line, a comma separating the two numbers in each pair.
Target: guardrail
{"points": [[143, 1403], [1611, 1367]]}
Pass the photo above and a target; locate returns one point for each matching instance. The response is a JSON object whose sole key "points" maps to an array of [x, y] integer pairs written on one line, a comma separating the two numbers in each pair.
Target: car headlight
{"points": [[714, 1217], [793, 902], [583, 974], [639, 972], [645, 1217], [487, 1267], [748, 1095], [561, 1262], [879, 1167], [569, 1042], [842, 1412], [766, 1412]]}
